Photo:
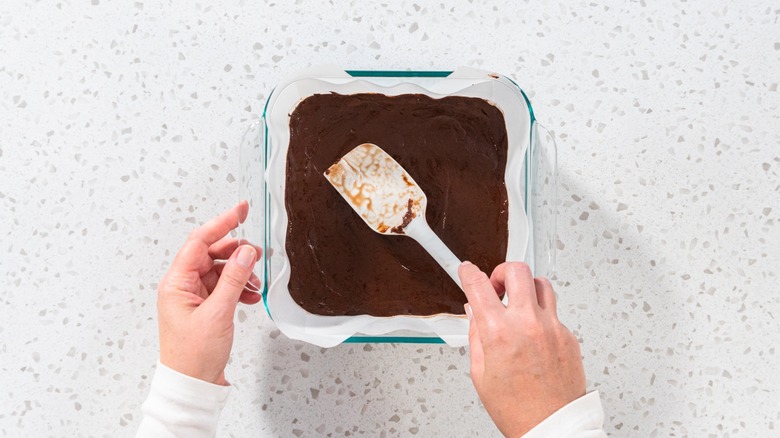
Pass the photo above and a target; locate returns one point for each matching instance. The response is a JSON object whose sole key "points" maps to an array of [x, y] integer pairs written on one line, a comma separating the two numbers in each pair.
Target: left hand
{"points": [[197, 298]]}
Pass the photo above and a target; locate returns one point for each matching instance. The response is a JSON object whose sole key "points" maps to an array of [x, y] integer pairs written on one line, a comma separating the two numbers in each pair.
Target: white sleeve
{"points": [[582, 418], [181, 406]]}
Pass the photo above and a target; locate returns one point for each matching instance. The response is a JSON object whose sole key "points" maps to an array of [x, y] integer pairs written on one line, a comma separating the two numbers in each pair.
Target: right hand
{"points": [[525, 364]]}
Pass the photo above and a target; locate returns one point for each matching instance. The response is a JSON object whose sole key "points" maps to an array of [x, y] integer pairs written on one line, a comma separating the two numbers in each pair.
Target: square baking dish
{"points": [[533, 178]]}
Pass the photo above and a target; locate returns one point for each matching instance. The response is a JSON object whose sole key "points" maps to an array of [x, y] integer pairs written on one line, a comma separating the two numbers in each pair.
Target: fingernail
{"points": [[246, 256], [467, 307], [466, 263], [242, 214]]}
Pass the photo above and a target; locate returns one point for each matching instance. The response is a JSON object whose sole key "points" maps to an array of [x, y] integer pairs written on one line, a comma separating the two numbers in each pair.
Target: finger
{"points": [[497, 279], [476, 354], [193, 255], [254, 282], [519, 284], [546, 296], [217, 228], [249, 297], [212, 277], [223, 249], [483, 300], [231, 282]]}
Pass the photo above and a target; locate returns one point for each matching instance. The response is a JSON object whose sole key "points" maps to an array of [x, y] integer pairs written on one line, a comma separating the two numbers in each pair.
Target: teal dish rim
{"points": [[360, 339]]}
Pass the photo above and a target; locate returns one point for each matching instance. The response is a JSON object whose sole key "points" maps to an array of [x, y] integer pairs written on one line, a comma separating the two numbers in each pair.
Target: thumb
{"points": [[476, 354], [234, 276]]}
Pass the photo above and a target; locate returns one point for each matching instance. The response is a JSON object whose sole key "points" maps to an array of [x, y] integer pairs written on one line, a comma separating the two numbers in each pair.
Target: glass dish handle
{"points": [[544, 176], [251, 188]]}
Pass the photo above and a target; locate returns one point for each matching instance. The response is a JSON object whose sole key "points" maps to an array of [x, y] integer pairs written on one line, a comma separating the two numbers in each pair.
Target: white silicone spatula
{"points": [[388, 200]]}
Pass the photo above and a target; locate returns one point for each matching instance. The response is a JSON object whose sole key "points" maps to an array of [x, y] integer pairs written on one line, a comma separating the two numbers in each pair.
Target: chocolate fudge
{"points": [[455, 148]]}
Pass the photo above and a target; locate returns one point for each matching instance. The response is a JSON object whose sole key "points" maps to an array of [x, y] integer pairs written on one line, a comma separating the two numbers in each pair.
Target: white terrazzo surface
{"points": [[119, 123]]}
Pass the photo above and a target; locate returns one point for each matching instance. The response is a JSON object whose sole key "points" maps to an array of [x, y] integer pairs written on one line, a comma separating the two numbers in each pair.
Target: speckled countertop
{"points": [[119, 123]]}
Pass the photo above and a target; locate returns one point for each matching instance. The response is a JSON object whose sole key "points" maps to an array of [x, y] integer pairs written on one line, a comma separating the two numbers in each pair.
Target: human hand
{"points": [[525, 364], [197, 298]]}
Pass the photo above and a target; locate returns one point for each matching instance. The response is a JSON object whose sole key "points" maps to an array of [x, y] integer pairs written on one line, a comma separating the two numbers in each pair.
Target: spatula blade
{"points": [[380, 191]]}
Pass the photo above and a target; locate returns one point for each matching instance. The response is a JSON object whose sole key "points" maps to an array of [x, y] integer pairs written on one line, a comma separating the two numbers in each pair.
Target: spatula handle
{"points": [[419, 230]]}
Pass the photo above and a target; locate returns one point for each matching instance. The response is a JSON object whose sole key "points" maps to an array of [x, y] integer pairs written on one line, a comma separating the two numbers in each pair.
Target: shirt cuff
{"points": [[180, 405], [183, 388], [582, 418]]}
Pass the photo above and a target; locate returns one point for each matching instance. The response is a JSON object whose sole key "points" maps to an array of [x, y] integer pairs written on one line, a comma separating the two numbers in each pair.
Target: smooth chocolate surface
{"points": [[455, 148]]}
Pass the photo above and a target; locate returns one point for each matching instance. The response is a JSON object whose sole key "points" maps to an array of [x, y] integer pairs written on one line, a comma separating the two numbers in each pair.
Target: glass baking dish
{"points": [[537, 182]]}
